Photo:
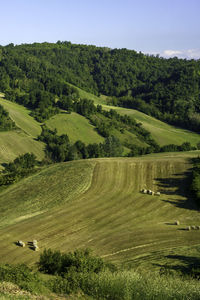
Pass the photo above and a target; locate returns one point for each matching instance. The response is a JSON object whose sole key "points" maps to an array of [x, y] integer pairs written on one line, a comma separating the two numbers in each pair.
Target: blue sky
{"points": [[165, 27]]}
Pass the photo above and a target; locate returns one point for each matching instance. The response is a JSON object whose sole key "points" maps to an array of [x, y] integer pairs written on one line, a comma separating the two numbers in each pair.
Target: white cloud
{"points": [[189, 53]]}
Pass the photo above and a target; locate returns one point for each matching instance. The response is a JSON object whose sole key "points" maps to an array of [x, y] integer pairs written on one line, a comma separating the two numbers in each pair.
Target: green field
{"points": [[20, 115], [97, 204], [162, 132], [22, 140], [76, 127], [15, 143]]}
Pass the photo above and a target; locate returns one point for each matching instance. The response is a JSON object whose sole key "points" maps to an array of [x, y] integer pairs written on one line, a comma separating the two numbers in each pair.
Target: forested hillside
{"points": [[5, 121], [37, 76]]}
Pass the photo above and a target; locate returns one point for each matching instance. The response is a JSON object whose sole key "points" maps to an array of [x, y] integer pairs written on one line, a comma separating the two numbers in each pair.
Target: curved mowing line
{"points": [[134, 247], [111, 216]]}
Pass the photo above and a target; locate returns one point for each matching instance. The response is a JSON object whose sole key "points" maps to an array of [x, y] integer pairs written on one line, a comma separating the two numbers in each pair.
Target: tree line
{"points": [[167, 89], [5, 121]]}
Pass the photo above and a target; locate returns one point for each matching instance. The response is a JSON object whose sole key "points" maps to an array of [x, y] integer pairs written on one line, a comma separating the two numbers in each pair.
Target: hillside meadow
{"points": [[23, 139], [163, 133], [77, 127], [97, 203]]}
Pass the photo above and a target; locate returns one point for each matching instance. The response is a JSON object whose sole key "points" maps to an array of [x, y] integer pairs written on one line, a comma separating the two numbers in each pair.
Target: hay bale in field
{"points": [[188, 228], [193, 227], [35, 248], [198, 227], [157, 193], [176, 223], [21, 244], [149, 192], [34, 242], [144, 191]]}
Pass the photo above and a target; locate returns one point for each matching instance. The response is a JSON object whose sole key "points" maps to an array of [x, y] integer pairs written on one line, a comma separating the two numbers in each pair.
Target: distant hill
{"points": [[84, 112], [35, 74], [24, 139]]}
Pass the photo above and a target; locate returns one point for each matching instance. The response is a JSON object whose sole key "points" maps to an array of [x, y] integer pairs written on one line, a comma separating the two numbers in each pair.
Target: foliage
{"points": [[21, 167], [80, 261], [58, 148], [195, 184], [37, 75], [175, 148], [23, 277], [5, 122], [122, 285]]}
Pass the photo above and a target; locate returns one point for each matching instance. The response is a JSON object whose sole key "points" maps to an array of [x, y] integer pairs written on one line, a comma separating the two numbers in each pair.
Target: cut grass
{"points": [[107, 214], [16, 142], [76, 127], [162, 132], [50, 188], [20, 115]]}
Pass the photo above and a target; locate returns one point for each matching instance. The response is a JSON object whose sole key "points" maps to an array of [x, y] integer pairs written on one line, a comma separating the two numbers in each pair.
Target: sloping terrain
{"points": [[98, 204], [161, 132], [75, 126], [22, 140]]}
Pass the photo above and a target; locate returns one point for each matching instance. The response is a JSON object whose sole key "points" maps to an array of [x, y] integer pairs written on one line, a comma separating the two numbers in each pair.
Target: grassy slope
{"points": [[20, 115], [76, 127], [162, 132], [22, 140], [97, 204]]}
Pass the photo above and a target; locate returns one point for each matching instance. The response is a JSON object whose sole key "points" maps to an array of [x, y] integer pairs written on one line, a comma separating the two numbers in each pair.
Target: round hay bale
{"points": [[35, 248], [21, 244], [177, 223]]}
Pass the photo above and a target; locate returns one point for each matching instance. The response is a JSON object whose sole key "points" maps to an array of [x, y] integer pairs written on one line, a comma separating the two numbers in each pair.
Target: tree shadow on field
{"points": [[178, 184], [185, 265]]}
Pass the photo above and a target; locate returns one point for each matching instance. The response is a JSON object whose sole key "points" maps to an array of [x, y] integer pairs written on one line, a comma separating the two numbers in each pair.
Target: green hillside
{"points": [[75, 126], [21, 140], [163, 133], [98, 204], [21, 116], [15, 143], [37, 74]]}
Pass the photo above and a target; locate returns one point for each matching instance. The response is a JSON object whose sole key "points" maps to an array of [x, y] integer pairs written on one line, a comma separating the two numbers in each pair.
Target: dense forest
{"points": [[5, 121], [38, 75]]}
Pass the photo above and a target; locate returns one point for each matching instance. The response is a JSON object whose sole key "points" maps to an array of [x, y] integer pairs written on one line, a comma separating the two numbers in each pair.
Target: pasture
{"points": [[163, 133], [97, 203], [22, 140], [75, 126], [20, 115]]}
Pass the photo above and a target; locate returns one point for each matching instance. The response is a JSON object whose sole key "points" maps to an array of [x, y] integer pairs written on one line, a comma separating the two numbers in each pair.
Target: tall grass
{"points": [[129, 285]]}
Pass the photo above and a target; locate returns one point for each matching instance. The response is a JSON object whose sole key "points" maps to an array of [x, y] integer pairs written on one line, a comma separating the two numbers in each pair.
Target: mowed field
{"points": [[75, 126], [22, 140], [97, 203], [162, 132]]}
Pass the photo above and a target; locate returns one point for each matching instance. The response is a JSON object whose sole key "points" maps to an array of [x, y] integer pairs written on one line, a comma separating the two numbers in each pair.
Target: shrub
{"points": [[81, 261], [23, 277]]}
